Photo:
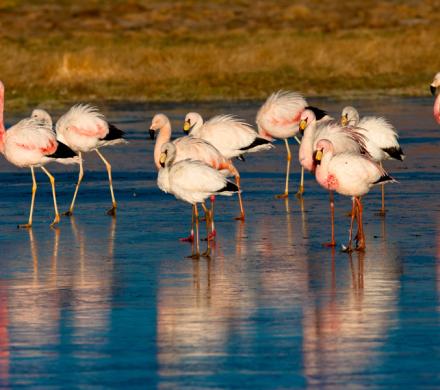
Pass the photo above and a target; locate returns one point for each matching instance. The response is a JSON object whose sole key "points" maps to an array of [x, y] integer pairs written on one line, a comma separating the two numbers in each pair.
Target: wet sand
{"points": [[114, 302]]}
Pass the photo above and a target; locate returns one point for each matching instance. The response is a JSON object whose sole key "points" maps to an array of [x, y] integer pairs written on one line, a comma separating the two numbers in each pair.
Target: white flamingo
{"points": [[381, 139], [193, 149], [278, 118], [232, 137], [31, 143], [193, 182], [349, 174], [434, 90], [344, 139], [84, 129]]}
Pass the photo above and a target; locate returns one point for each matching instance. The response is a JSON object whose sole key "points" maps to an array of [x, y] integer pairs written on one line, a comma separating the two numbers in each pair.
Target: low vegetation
{"points": [[150, 50]]}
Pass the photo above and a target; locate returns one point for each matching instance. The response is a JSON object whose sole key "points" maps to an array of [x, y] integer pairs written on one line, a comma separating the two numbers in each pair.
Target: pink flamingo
{"points": [[191, 148], [84, 130], [278, 118], [349, 174], [434, 90], [31, 143], [344, 139]]}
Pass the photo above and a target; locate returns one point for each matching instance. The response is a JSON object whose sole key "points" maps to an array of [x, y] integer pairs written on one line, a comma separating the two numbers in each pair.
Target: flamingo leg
{"points": [[111, 211], [361, 242], [207, 253], [382, 212], [190, 238], [289, 158], [80, 177], [240, 201], [34, 191], [52, 183], [300, 191], [196, 255], [332, 243], [348, 248]]}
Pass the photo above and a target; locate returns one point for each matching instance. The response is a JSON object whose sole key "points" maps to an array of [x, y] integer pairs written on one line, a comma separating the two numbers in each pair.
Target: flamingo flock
{"points": [[345, 154]]}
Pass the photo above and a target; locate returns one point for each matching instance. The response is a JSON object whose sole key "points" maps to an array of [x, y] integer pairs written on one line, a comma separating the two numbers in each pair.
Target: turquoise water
{"points": [[104, 302]]}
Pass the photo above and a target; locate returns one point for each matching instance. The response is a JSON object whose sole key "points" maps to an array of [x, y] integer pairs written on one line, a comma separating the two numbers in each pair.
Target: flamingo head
{"points": [[323, 147], [350, 116], [307, 117], [435, 84], [167, 154], [42, 116], [158, 122], [192, 120]]}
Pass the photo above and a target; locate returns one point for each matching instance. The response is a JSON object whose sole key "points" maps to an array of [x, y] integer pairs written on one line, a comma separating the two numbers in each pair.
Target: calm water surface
{"points": [[103, 302]]}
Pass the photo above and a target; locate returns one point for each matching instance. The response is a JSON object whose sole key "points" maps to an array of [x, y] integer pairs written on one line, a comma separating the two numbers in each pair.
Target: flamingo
{"points": [[31, 143], [381, 139], [344, 139], [434, 90], [230, 136], [278, 118], [193, 182], [84, 129], [193, 149], [349, 174]]}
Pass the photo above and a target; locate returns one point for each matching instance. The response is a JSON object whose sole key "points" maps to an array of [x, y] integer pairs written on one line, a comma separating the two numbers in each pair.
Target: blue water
{"points": [[104, 302]]}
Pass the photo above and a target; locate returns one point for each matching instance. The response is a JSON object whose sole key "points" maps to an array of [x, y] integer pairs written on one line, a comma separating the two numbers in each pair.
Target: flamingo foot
{"points": [[240, 218], [282, 196], [55, 221], [331, 244], [190, 238], [347, 249], [300, 192], [195, 256], [68, 213], [207, 253], [112, 211], [211, 236], [381, 213], [24, 226]]}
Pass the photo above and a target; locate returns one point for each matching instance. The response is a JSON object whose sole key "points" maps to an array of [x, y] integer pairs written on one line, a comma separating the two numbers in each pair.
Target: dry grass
{"points": [[55, 52]]}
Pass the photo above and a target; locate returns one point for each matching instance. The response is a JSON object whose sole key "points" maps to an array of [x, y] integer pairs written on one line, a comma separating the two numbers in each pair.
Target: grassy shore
{"points": [[54, 52]]}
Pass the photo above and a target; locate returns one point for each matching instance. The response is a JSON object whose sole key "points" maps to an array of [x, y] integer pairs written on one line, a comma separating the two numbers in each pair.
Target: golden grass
{"points": [[187, 50]]}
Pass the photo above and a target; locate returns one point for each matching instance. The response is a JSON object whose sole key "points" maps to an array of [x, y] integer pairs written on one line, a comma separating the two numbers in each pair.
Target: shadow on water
{"points": [[114, 302]]}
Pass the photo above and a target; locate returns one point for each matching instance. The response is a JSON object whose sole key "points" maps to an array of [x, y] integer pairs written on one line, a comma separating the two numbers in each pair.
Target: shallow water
{"points": [[111, 302]]}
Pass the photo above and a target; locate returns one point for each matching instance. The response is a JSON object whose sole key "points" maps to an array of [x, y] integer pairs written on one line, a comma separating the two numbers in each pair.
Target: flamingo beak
{"points": [[152, 133], [344, 120], [433, 90], [317, 157], [187, 127], [302, 125], [162, 159]]}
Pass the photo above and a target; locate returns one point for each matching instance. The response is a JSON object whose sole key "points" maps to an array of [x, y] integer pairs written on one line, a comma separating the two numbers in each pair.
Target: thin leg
{"points": [[34, 191], [382, 212], [332, 243], [301, 184], [240, 201], [207, 253], [213, 231], [361, 241], [190, 238], [289, 158], [52, 182], [80, 177], [348, 248], [196, 216], [112, 211]]}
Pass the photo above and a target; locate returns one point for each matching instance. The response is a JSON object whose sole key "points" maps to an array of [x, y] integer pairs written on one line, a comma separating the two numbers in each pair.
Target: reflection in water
{"points": [[4, 337], [344, 327]]}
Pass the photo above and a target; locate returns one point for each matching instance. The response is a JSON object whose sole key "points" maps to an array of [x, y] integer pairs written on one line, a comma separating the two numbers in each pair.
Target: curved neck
{"points": [[197, 126], [163, 137], [2, 124], [437, 109], [321, 171], [306, 147]]}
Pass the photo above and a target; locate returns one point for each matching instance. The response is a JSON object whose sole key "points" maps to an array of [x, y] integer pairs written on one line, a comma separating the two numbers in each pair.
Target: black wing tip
{"points": [[384, 179], [395, 153], [319, 114], [229, 187], [113, 133], [63, 151], [258, 141]]}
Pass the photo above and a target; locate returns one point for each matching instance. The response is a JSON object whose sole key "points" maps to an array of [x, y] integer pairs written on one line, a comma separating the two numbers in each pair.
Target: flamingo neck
{"points": [[306, 147], [437, 109], [322, 172], [2, 124], [163, 137]]}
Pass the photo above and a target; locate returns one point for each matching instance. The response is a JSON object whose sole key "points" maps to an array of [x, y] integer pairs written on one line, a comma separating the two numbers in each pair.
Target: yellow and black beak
{"points": [[317, 157], [302, 125], [187, 127], [433, 90], [162, 159], [152, 133], [344, 120]]}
